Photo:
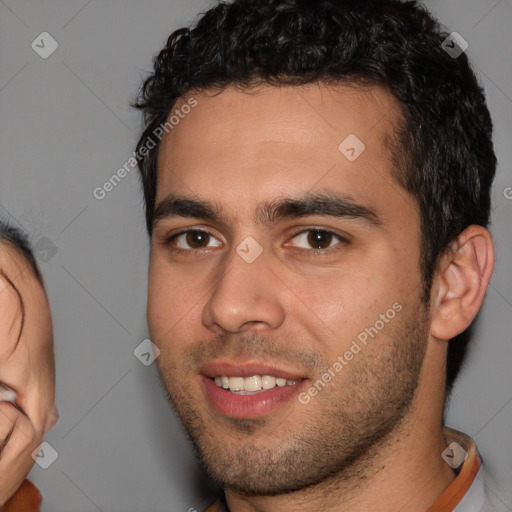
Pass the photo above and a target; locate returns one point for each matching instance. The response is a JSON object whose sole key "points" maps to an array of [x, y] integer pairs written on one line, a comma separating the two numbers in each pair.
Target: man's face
{"points": [[256, 296]]}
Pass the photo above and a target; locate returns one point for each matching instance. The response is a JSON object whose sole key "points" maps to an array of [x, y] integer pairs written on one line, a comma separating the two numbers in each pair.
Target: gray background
{"points": [[66, 127]]}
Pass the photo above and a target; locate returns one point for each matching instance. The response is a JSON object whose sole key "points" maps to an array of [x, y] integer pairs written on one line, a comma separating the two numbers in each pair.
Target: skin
{"points": [[26, 365], [372, 439]]}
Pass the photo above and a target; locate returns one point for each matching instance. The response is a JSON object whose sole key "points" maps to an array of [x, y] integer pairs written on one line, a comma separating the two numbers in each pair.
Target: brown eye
{"points": [[192, 239], [317, 239], [196, 239]]}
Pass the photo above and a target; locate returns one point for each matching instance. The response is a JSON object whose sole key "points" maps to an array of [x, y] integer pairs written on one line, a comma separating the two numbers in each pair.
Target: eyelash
{"points": [[316, 252]]}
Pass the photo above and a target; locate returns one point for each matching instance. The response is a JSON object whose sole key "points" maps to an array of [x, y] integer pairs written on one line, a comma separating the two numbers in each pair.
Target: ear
{"points": [[460, 282]]}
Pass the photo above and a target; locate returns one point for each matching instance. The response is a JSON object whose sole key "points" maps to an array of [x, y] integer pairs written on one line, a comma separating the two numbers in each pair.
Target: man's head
{"points": [[348, 121]]}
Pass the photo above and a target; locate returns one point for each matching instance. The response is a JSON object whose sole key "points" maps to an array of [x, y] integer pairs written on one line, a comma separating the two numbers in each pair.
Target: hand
{"points": [[26, 366]]}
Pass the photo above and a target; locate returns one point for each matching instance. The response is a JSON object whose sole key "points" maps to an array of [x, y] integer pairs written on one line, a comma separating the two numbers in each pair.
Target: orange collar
{"points": [[452, 496], [26, 499]]}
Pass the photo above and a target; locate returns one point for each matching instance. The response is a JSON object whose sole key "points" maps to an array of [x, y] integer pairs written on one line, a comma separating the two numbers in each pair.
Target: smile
{"points": [[251, 385]]}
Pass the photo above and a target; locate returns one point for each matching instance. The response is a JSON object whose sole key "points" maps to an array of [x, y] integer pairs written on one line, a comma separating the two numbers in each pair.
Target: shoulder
{"points": [[492, 499]]}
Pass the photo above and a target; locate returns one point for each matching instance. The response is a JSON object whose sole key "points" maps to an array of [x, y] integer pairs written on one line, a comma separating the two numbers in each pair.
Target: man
{"points": [[27, 370], [317, 182]]}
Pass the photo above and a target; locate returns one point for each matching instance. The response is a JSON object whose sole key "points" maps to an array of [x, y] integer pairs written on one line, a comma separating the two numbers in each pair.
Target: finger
{"points": [[18, 440], [8, 417], [8, 394]]}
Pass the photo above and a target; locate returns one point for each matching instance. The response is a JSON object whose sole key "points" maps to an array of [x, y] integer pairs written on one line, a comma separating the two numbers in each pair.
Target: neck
{"points": [[408, 475]]}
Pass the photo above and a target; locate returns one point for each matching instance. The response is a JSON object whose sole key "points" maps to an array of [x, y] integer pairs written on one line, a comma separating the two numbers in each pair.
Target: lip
{"points": [[254, 406], [230, 368]]}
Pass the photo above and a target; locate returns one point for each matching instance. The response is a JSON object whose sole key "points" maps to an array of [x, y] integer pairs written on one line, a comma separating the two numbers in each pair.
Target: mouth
{"points": [[249, 391], [251, 385]]}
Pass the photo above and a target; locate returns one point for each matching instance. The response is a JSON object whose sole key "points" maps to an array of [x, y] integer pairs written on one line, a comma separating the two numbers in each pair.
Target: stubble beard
{"points": [[327, 440]]}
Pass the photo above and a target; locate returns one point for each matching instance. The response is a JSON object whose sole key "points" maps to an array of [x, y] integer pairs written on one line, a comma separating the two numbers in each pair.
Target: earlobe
{"points": [[461, 282]]}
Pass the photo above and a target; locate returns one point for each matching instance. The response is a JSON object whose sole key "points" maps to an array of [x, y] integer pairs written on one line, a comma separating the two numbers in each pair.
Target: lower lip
{"points": [[248, 406]]}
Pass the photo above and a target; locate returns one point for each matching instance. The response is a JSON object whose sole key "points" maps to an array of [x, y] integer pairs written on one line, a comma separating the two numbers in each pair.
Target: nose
{"points": [[246, 296]]}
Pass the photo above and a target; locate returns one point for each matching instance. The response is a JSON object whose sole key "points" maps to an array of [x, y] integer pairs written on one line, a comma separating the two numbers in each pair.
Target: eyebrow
{"points": [[270, 212]]}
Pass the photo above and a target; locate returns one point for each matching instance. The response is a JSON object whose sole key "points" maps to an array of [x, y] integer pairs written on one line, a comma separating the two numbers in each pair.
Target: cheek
{"points": [[338, 298], [342, 305], [171, 299], [162, 315], [159, 308]]}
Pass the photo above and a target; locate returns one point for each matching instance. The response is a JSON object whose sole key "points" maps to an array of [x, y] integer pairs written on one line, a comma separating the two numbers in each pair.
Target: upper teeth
{"points": [[254, 383]]}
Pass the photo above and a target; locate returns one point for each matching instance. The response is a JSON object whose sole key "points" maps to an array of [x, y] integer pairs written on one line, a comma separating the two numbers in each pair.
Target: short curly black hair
{"points": [[444, 154]]}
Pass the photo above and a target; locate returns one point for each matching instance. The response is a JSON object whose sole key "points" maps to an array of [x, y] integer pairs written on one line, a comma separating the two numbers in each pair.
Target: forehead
{"points": [[20, 272], [260, 142]]}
